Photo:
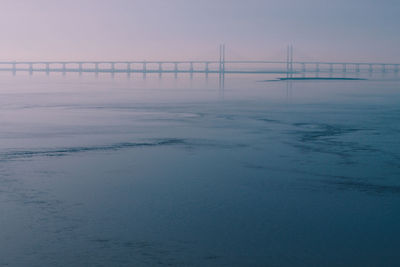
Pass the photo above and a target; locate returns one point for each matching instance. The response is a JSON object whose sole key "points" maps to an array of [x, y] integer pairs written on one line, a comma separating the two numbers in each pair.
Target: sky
{"points": [[336, 30]]}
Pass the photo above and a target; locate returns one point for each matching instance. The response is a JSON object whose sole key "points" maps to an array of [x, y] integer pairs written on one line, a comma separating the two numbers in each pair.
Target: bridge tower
{"points": [[289, 62], [222, 66], [222, 58]]}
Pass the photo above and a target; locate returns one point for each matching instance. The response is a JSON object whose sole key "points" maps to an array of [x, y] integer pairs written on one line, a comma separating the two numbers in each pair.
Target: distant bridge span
{"points": [[199, 66]]}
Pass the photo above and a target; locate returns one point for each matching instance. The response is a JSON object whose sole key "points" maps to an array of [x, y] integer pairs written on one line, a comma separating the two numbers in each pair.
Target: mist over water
{"points": [[118, 171]]}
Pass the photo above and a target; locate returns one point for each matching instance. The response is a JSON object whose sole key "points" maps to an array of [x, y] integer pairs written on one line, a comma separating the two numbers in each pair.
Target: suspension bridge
{"points": [[288, 67]]}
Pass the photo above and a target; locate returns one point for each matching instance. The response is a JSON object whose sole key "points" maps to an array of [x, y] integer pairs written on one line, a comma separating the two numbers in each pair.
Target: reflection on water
{"points": [[125, 171]]}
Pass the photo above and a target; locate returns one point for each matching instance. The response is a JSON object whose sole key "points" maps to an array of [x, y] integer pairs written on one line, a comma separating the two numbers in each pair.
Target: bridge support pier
{"points": [[191, 70], [47, 68], [128, 69], [222, 66], [160, 69], [176, 70], [144, 69], [303, 70]]}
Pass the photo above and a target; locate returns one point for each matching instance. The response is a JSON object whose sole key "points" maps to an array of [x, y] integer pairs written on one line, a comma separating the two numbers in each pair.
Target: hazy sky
{"points": [[359, 30]]}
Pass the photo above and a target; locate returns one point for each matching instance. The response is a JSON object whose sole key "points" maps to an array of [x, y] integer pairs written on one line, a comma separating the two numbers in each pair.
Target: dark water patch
{"points": [[254, 166], [196, 144], [211, 257], [314, 131], [268, 120], [333, 147], [326, 138], [325, 148], [345, 182], [101, 241], [226, 117], [365, 187], [145, 253], [216, 144], [325, 175]]}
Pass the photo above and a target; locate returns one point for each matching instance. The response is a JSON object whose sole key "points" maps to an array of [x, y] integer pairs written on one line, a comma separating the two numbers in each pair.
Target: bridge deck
{"points": [[207, 67]]}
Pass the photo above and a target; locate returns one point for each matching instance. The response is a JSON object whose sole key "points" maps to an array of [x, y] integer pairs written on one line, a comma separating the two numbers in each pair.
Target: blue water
{"points": [[117, 171]]}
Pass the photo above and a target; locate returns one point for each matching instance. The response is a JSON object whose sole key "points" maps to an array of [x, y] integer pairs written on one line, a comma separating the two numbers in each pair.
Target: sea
{"points": [[118, 170]]}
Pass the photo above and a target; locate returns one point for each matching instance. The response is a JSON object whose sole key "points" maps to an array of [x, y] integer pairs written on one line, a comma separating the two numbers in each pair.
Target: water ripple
{"points": [[78, 149], [58, 152]]}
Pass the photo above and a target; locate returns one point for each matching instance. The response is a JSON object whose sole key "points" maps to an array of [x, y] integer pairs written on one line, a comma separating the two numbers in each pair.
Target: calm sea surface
{"points": [[102, 171]]}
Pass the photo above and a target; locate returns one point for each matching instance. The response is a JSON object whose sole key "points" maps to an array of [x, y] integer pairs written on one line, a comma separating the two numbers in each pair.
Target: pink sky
{"points": [[177, 29]]}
